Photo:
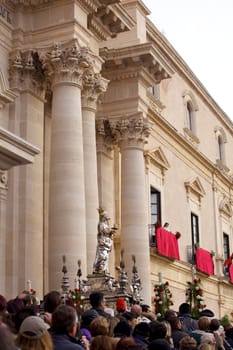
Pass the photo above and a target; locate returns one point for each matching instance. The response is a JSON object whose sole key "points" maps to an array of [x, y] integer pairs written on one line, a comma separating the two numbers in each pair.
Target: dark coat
{"points": [[64, 342], [177, 335]]}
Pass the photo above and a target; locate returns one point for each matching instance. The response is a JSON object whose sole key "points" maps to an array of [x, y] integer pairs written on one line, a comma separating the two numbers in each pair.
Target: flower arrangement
{"points": [[194, 296], [76, 298], [163, 299]]}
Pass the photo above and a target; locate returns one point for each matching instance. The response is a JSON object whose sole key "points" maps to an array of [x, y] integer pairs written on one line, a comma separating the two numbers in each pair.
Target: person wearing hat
{"points": [[33, 334]]}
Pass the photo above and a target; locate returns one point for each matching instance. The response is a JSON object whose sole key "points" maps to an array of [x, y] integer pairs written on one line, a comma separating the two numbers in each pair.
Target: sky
{"points": [[201, 31]]}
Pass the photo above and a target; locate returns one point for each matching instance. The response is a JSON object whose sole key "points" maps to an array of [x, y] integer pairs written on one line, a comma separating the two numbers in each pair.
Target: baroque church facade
{"points": [[97, 109]]}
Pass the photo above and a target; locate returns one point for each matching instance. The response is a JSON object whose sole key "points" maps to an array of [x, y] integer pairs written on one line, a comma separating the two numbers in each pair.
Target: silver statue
{"points": [[104, 243]]}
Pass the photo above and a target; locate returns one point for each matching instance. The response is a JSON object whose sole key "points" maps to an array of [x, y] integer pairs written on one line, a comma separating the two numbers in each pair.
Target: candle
{"points": [[76, 283], [160, 277], [29, 285]]}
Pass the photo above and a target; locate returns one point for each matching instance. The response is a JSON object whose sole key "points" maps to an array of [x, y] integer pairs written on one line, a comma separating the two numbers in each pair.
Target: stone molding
{"points": [[131, 131], [93, 86], [105, 139], [132, 59], [3, 185], [6, 95], [66, 64], [26, 73]]}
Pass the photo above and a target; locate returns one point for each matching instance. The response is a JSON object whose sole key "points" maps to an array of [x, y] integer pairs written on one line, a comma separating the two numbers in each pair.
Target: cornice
{"points": [[109, 20], [179, 64], [143, 55]]}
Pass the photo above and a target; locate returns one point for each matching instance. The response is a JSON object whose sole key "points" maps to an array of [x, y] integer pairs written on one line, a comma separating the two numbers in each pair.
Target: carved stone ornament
{"points": [[26, 73], [132, 131], [93, 86], [67, 63]]}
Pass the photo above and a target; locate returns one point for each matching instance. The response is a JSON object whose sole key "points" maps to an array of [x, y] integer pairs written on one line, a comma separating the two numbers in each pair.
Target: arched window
{"points": [[220, 148], [190, 122], [221, 144]]}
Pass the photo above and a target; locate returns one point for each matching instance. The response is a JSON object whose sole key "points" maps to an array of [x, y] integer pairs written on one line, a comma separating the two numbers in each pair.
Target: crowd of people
{"points": [[58, 326]]}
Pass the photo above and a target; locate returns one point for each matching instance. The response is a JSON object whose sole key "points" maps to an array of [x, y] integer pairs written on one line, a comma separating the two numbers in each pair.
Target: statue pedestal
{"points": [[106, 284]]}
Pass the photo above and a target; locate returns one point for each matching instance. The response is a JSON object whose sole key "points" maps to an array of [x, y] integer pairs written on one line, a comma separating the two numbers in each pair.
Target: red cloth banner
{"points": [[167, 244], [204, 261], [231, 273]]}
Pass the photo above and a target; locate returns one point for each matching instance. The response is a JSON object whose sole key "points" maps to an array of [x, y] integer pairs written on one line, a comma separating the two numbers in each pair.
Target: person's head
{"points": [[102, 342], [87, 317], [120, 305], [145, 308], [3, 304], [168, 327], [125, 343], [159, 344], [184, 308], [131, 318], [203, 323], [175, 323], [99, 326], [122, 329], [33, 334], [65, 320], [51, 301], [170, 314], [136, 308], [97, 300], [214, 324], [6, 338], [142, 329], [188, 343], [20, 316], [207, 313], [209, 339], [157, 330]]}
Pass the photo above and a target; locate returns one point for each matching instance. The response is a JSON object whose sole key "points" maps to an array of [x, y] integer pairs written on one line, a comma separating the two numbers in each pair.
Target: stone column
{"points": [[67, 227], [25, 226], [3, 199], [93, 86], [132, 134]]}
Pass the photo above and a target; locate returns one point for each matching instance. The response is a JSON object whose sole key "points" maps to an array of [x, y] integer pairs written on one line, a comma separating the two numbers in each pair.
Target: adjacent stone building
{"points": [[106, 113]]}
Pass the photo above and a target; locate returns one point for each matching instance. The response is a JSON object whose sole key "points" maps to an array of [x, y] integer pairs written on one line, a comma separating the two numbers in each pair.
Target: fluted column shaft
{"points": [[67, 227], [132, 135]]}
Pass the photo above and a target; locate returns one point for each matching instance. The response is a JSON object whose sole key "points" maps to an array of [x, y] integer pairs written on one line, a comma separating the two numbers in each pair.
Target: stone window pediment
{"points": [[225, 207], [194, 188], [158, 158]]}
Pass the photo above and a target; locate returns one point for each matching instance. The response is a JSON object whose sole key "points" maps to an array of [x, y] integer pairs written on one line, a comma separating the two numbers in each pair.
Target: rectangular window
{"points": [[195, 233], [155, 209], [226, 251]]}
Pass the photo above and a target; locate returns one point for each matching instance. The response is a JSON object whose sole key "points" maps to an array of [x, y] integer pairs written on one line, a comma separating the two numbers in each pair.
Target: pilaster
{"points": [[3, 198]]}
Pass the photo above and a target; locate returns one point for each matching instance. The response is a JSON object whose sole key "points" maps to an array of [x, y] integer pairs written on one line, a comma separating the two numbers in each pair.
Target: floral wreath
{"points": [[162, 299], [194, 296]]}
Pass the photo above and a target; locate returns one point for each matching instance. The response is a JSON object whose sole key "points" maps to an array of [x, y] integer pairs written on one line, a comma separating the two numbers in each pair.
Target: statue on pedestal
{"points": [[104, 243]]}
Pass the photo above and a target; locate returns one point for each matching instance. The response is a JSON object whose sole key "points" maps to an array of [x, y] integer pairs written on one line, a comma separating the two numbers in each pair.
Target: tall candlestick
{"points": [[160, 277], [29, 285]]}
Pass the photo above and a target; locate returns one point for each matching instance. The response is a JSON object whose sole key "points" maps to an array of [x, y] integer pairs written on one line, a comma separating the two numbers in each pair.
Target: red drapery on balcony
{"points": [[204, 261], [231, 273], [167, 243]]}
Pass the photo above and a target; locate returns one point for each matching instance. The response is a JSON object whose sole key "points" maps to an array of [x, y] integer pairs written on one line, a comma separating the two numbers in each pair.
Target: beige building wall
{"points": [[74, 82]]}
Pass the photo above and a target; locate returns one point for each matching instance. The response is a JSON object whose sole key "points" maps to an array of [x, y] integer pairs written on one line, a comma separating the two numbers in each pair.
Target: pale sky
{"points": [[201, 31]]}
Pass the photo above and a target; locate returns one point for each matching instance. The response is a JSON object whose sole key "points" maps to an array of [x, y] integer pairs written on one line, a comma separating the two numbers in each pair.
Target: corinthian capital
{"points": [[26, 73], [66, 64], [94, 85], [132, 131]]}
